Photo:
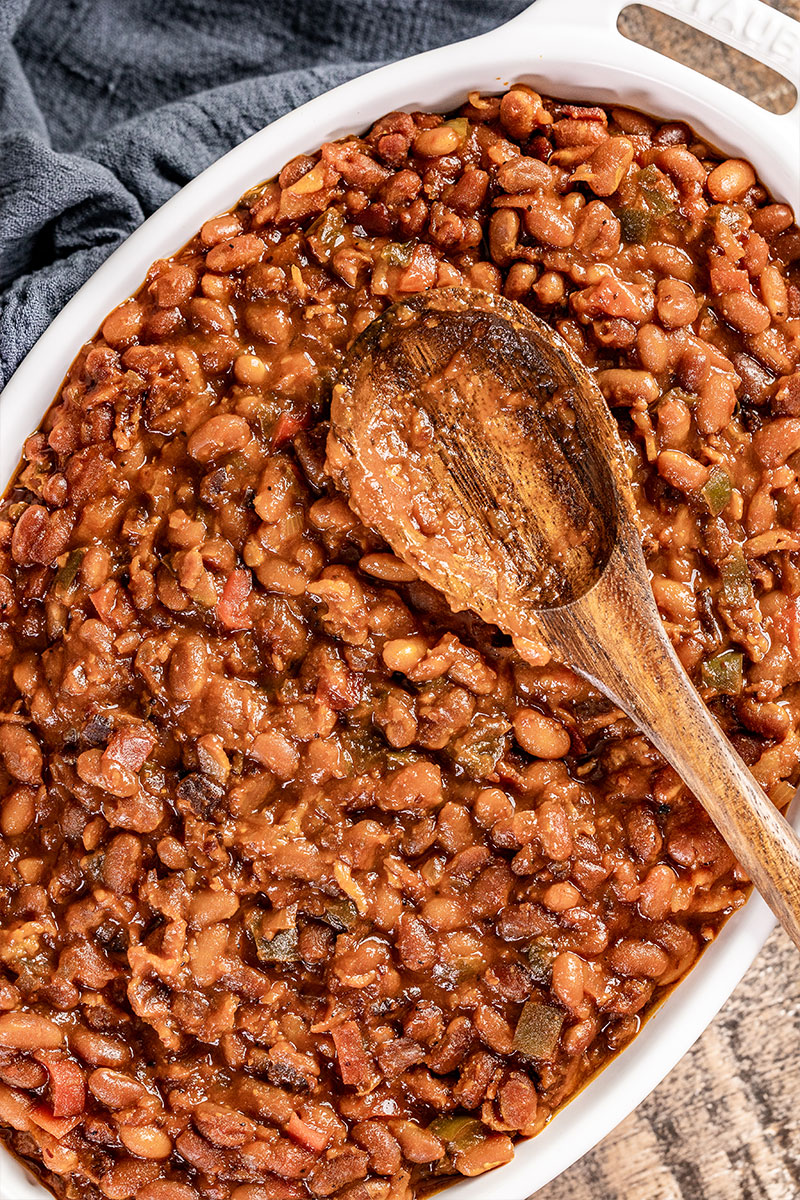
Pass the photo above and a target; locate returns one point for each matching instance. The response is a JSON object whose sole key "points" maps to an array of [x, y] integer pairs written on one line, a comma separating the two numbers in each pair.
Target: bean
{"points": [[115, 1090], [568, 980], [561, 896], [170, 1189], [146, 1141], [638, 959], [212, 316], [772, 219], [520, 279], [553, 831], [29, 1031], [20, 753], [774, 442], [672, 261], [607, 165], [485, 276], [275, 752], [657, 891], [540, 735], [597, 230], [209, 906], [681, 470], [629, 388], [125, 1179], [99, 1049], [387, 567], [418, 1145], [524, 174], [676, 303], [123, 326], [235, 253], [221, 229], [654, 349], [716, 403], [744, 312], [492, 804], [774, 292], [432, 143], [40, 536], [730, 180], [520, 108], [95, 568], [674, 421], [250, 370], [548, 224], [218, 435], [550, 288], [573, 132], [403, 654], [504, 228], [18, 812], [485, 1155]]}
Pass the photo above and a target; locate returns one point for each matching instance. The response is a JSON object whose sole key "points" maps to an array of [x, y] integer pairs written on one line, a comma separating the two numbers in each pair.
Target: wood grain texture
{"points": [[725, 1124]]}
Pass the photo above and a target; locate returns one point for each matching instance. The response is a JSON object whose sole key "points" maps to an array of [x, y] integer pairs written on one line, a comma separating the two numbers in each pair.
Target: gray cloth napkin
{"points": [[107, 107]]}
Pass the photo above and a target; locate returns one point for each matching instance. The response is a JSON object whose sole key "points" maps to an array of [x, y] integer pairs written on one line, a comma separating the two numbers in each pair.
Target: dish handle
{"points": [[751, 26]]}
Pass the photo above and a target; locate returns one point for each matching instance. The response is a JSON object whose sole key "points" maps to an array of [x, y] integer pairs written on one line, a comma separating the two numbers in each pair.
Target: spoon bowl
{"points": [[517, 509]]}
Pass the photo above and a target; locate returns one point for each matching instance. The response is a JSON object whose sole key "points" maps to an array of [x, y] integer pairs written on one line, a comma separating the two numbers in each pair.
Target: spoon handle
{"points": [[613, 635]]}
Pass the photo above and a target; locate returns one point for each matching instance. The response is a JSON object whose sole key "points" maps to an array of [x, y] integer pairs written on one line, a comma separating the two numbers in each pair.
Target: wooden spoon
{"points": [[468, 434]]}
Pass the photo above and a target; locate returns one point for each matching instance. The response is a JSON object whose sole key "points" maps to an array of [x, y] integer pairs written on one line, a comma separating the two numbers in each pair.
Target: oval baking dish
{"points": [[568, 48]]}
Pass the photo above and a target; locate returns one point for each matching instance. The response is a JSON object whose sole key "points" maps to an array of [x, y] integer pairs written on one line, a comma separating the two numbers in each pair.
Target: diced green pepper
{"points": [[461, 126], [272, 946], [325, 233], [651, 184], [649, 176], [723, 673], [734, 216], [717, 490], [737, 587], [677, 393], [340, 914], [636, 225], [479, 749], [538, 1030], [397, 254], [66, 575], [458, 1132], [540, 958]]}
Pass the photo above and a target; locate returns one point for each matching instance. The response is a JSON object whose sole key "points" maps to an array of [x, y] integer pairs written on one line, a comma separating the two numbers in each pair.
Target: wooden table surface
{"points": [[725, 1125]]}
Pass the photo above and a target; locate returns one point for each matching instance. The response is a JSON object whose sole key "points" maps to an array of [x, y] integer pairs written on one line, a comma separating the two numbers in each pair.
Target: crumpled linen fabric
{"points": [[107, 107]]}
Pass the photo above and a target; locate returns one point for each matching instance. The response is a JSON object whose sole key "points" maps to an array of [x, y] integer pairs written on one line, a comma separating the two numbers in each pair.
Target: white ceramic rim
{"points": [[569, 48]]}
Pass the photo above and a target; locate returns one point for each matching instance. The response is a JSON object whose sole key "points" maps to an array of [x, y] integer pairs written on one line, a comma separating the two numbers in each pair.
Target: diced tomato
{"points": [[306, 1135], [113, 606], [233, 610], [725, 277], [354, 1065], [57, 1127], [786, 624], [286, 426], [67, 1086], [581, 112], [130, 747]]}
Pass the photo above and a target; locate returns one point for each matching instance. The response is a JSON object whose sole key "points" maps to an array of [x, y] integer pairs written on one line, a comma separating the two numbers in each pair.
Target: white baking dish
{"points": [[569, 48]]}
